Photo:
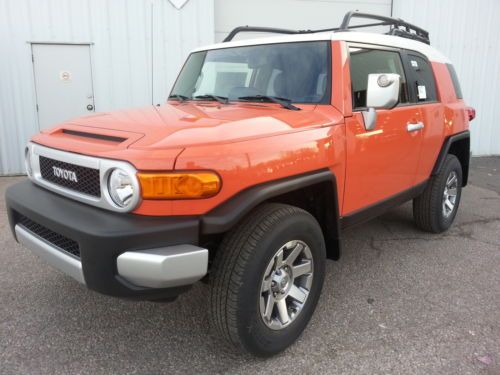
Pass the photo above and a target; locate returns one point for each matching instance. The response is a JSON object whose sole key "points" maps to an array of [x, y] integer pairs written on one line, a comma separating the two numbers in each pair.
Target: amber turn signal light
{"points": [[183, 185]]}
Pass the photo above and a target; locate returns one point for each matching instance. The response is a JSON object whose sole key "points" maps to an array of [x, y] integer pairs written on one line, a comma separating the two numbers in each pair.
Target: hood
{"points": [[180, 125]]}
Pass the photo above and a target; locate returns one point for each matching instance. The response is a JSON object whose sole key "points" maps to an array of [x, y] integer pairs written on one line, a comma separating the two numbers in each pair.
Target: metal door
{"points": [[381, 163], [63, 82]]}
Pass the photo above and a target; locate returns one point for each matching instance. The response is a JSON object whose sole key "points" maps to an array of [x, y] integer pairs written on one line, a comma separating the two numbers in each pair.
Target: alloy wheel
{"points": [[286, 284], [450, 194]]}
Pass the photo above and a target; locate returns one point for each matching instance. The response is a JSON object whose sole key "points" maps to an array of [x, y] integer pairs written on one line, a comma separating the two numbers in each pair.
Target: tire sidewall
{"points": [[452, 165], [255, 335]]}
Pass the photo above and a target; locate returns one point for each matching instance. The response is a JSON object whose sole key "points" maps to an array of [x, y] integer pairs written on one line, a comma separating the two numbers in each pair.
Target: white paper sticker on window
{"points": [[422, 93], [414, 63]]}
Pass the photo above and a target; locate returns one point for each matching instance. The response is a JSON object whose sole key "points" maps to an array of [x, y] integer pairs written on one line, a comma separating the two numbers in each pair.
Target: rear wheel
{"points": [[267, 278], [435, 209]]}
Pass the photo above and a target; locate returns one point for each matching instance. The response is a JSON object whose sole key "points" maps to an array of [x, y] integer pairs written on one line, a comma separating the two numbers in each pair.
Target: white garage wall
{"points": [[137, 49], [293, 14], [176, 33], [467, 32]]}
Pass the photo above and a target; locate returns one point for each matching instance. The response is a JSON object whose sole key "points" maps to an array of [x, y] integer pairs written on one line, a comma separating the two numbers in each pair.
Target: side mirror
{"points": [[382, 93]]}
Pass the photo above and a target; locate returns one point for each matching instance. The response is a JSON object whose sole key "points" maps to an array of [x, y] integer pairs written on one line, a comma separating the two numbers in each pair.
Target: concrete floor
{"points": [[400, 301]]}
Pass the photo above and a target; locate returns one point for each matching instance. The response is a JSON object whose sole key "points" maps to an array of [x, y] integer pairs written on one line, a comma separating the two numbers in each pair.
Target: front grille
{"points": [[84, 180], [58, 240]]}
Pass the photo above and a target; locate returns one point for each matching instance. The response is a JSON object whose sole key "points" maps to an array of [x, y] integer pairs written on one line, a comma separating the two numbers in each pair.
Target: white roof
{"points": [[350, 36]]}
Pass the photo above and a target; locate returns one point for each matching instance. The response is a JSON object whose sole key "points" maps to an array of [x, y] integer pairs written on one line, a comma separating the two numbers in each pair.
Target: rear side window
{"points": [[425, 86], [456, 84], [369, 61]]}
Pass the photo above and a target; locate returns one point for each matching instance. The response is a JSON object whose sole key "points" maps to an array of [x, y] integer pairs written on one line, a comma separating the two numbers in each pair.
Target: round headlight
{"points": [[27, 161], [121, 187]]}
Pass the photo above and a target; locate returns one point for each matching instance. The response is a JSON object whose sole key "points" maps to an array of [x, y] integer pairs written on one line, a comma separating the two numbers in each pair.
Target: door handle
{"points": [[414, 126], [90, 107]]}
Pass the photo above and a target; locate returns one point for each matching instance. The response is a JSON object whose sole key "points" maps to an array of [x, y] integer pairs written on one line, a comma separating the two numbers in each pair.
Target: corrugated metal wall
{"points": [[137, 49], [467, 32], [139, 45], [293, 14]]}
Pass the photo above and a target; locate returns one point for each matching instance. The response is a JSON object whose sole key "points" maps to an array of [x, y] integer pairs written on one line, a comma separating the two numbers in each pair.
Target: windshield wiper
{"points": [[285, 103], [220, 99], [178, 97]]}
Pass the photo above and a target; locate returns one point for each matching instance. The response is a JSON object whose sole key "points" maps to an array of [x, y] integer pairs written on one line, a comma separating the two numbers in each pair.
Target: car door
{"points": [[421, 79], [381, 163]]}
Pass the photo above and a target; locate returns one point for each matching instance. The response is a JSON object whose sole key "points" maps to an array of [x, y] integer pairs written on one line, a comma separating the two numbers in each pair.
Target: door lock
{"points": [[90, 107]]}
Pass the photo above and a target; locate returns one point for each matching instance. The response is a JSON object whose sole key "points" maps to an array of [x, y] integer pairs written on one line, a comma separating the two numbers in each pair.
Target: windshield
{"points": [[298, 72]]}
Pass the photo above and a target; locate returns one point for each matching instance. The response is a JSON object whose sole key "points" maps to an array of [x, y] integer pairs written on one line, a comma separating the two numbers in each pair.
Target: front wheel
{"points": [[267, 278], [435, 210]]}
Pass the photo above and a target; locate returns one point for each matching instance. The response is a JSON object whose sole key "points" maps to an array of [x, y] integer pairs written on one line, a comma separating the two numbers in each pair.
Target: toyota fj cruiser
{"points": [[264, 152]]}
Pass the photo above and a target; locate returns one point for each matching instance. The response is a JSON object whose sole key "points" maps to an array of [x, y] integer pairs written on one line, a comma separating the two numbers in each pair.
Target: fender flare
{"points": [[445, 150], [225, 216]]}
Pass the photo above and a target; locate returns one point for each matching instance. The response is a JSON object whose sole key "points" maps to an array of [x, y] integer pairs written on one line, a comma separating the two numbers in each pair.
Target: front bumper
{"points": [[122, 255]]}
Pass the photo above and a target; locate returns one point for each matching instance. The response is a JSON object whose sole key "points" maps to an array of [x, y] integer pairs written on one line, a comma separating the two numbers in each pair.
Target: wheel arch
{"points": [[458, 145], [315, 192]]}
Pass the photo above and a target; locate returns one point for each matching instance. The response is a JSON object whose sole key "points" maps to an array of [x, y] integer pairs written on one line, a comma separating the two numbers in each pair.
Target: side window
{"points": [[456, 84], [368, 61], [425, 86]]}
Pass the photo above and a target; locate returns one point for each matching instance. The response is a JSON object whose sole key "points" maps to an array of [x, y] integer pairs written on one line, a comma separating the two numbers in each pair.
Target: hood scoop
{"points": [[101, 137], [92, 139]]}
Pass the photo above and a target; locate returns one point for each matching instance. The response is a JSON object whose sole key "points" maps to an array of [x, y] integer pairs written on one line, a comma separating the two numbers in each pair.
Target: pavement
{"points": [[400, 301]]}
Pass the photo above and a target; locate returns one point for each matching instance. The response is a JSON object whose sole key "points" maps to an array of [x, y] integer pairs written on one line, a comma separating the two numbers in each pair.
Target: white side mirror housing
{"points": [[382, 93]]}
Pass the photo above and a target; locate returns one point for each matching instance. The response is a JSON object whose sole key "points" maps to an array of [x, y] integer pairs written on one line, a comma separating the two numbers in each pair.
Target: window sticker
{"points": [[422, 92], [414, 64]]}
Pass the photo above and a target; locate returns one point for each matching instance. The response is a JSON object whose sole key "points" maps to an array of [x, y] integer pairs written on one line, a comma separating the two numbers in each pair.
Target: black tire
{"points": [[428, 211], [239, 267]]}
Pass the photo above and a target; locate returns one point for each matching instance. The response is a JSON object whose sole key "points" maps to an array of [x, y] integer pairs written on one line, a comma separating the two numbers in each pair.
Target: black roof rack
{"points": [[258, 29], [398, 27]]}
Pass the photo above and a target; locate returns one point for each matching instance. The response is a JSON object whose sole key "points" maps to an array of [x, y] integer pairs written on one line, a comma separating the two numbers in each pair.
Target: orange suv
{"points": [[264, 152]]}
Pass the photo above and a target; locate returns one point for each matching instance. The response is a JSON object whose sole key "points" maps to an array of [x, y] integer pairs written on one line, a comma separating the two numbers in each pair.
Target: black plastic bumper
{"points": [[102, 235]]}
